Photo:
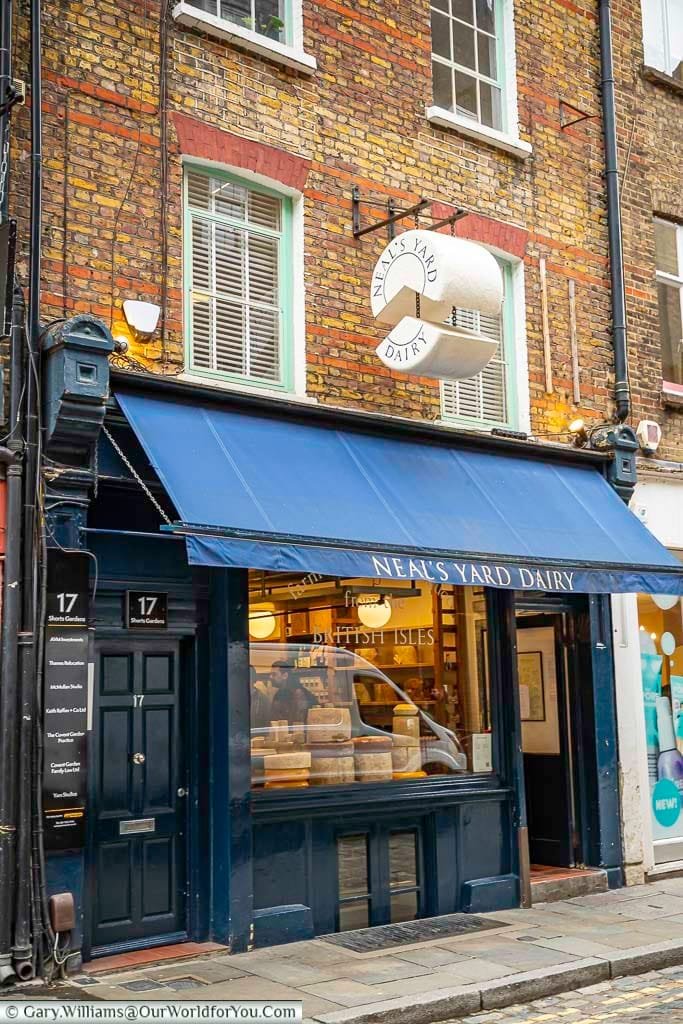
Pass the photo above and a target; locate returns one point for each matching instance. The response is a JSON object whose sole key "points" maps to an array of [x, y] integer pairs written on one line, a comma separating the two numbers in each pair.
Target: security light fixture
{"points": [[141, 317], [577, 428]]}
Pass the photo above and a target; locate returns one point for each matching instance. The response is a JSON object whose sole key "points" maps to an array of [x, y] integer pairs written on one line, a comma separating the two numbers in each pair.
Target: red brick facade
{"points": [[359, 119], [651, 162]]}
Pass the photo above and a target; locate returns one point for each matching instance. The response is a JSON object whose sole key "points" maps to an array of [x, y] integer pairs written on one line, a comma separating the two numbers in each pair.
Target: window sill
{"points": [[446, 119], [276, 394], [191, 17], [672, 395], [658, 77]]}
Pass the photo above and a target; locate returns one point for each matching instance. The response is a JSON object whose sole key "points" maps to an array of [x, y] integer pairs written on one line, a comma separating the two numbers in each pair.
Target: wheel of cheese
{"points": [[405, 709], [340, 749], [401, 740], [328, 725], [302, 759], [372, 744], [286, 785], [280, 775]]}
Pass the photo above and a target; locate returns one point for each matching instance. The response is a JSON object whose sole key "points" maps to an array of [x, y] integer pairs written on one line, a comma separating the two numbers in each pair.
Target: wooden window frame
{"points": [[674, 281], [285, 383]]}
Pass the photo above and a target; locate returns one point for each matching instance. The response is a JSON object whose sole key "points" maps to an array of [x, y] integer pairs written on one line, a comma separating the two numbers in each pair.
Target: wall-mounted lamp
{"points": [[577, 428], [141, 317]]}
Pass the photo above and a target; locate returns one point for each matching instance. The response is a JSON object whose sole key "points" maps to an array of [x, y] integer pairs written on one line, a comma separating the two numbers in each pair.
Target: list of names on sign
{"points": [[65, 701]]}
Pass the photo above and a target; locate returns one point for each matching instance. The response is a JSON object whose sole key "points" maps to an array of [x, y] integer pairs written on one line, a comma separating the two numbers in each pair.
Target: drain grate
{"points": [[387, 936]]}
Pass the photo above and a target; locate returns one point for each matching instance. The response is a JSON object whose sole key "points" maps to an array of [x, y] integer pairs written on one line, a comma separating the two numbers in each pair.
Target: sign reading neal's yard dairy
{"points": [[65, 701], [419, 279]]}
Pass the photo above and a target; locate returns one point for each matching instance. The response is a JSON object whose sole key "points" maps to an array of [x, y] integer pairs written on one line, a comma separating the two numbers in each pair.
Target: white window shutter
{"points": [[235, 315], [482, 398]]}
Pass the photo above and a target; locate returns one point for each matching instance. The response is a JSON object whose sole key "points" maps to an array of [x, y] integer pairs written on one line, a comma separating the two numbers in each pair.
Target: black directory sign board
{"points": [[65, 701], [146, 609]]}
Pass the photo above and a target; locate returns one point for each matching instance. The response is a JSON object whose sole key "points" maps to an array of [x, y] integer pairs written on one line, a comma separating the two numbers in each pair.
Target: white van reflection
{"points": [[308, 721]]}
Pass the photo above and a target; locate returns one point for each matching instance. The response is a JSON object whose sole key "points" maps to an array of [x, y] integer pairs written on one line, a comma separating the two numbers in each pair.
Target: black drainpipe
{"points": [[5, 84], [622, 391], [22, 951], [11, 622]]}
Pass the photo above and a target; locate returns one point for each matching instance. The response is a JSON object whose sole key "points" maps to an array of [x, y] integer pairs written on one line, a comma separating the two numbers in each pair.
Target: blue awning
{"points": [[256, 491]]}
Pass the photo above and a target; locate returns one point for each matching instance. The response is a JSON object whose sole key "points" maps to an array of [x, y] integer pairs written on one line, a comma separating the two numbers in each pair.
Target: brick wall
{"points": [[651, 162], [359, 119]]}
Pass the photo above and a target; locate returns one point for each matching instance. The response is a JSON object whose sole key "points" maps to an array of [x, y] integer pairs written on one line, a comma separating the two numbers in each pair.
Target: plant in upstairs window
{"points": [[266, 17], [271, 27]]}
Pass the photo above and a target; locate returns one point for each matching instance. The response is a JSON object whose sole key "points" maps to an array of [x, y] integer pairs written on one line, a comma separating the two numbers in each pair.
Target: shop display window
{"points": [[353, 684], [661, 657]]}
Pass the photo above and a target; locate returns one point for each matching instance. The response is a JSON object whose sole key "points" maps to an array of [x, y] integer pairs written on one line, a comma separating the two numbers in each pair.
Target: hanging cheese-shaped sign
{"points": [[419, 280]]}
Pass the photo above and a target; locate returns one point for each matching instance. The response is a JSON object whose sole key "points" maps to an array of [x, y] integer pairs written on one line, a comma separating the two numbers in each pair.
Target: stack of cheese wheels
{"points": [[372, 758], [328, 737], [287, 771], [332, 763], [259, 751], [406, 754], [406, 721]]}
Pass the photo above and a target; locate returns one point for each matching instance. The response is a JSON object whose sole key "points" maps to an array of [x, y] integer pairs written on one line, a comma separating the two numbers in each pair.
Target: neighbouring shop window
{"points": [[488, 398], [661, 656], [351, 684], [669, 254], [467, 59], [238, 280], [268, 18], [663, 36]]}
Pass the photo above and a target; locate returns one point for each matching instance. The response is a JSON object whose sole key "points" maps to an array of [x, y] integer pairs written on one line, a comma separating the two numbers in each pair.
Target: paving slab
{"points": [[434, 956]]}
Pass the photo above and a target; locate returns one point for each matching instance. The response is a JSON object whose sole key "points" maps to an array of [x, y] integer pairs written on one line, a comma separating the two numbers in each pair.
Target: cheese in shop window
{"points": [[353, 684]]}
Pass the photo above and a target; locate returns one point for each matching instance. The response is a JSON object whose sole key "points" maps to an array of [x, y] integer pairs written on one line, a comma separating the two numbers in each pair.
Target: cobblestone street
{"points": [[653, 998]]}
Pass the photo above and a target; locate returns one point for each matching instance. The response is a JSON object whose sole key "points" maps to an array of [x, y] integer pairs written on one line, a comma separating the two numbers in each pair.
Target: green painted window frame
{"points": [[502, 78], [285, 277], [511, 363]]}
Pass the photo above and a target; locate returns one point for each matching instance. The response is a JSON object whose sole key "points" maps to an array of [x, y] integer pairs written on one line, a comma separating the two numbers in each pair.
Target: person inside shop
{"points": [[292, 700]]}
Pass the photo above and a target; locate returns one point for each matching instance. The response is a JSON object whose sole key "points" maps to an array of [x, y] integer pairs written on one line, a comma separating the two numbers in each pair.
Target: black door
{"points": [[138, 796], [546, 740]]}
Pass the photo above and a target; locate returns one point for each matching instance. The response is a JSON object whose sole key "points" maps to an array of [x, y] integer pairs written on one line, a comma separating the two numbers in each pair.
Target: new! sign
{"points": [[419, 279]]}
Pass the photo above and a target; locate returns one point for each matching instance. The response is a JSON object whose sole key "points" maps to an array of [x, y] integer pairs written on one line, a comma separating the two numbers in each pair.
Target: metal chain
{"points": [[96, 468], [136, 475]]}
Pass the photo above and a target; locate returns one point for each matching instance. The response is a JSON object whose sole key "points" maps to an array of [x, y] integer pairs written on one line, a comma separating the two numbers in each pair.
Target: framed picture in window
{"points": [[531, 686]]}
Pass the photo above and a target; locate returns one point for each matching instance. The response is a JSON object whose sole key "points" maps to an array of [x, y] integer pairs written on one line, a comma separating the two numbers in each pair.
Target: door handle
{"points": [[181, 791], [138, 759]]}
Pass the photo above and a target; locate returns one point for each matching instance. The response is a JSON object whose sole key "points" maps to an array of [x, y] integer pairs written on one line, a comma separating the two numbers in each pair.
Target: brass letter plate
{"points": [[127, 828]]}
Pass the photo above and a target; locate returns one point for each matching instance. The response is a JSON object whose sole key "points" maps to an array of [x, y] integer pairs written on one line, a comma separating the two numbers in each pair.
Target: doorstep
{"points": [[550, 884], [153, 955]]}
